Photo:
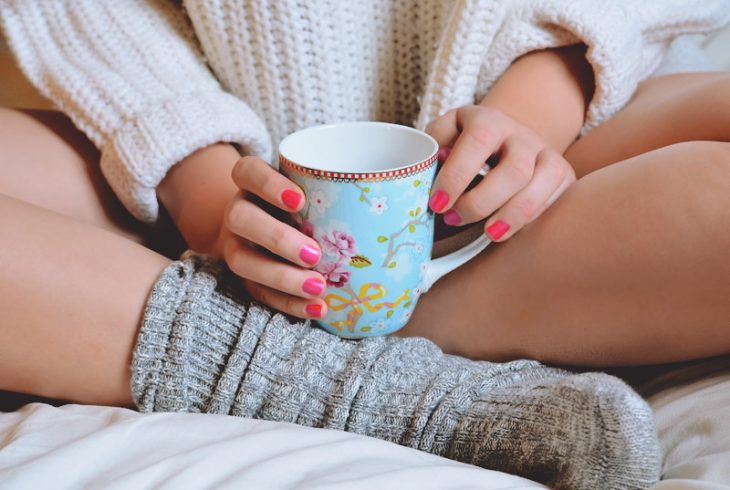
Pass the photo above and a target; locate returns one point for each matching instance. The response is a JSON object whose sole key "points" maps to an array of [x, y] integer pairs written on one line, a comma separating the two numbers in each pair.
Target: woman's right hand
{"points": [[287, 282]]}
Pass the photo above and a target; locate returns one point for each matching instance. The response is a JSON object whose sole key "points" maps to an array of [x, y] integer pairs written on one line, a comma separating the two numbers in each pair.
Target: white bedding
{"points": [[99, 447]]}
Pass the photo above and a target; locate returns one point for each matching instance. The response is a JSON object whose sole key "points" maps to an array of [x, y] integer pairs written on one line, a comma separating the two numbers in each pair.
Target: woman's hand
{"points": [[528, 177], [213, 197], [286, 285]]}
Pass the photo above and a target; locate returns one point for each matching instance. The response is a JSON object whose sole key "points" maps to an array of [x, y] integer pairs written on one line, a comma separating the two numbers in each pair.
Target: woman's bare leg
{"points": [[71, 297], [664, 110], [73, 277], [630, 266], [46, 161]]}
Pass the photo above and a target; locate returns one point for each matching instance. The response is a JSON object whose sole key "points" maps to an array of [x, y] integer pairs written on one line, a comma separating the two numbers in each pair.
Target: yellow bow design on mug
{"points": [[357, 301]]}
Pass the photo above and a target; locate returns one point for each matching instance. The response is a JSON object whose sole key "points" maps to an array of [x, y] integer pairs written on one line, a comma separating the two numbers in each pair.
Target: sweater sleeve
{"points": [[130, 75], [626, 40]]}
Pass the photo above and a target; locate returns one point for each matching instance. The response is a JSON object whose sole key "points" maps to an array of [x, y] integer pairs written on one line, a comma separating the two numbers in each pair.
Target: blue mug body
{"points": [[367, 186]]}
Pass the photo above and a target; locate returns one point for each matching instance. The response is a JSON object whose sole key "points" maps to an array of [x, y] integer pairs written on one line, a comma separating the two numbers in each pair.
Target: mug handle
{"points": [[438, 268]]}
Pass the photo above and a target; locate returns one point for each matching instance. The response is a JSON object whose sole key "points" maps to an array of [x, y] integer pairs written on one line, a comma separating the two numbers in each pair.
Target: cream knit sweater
{"points": [[150, 82]]}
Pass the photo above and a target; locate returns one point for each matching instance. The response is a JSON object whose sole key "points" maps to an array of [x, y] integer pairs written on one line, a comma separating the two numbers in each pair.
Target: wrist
{"points": [[196, 192], [547, 91]]}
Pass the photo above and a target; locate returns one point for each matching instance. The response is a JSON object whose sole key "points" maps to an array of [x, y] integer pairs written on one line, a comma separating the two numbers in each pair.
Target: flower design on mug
{"points": [[339, 244], [378, 205], [318, 202], [334, 272]]}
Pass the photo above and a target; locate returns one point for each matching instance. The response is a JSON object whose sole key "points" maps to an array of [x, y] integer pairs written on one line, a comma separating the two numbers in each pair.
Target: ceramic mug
{"points": [[367, 186]]}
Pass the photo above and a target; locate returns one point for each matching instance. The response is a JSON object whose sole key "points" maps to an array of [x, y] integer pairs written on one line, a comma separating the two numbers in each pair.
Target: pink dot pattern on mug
{"points": [[358, 176]]}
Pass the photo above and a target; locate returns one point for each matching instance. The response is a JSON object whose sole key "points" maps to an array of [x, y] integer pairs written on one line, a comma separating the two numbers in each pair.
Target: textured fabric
{"points": [[200, 349], [148, 85]]}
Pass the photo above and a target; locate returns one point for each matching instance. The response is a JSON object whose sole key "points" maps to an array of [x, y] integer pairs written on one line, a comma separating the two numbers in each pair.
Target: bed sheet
{"points": [[692, 413], [78, 446]]}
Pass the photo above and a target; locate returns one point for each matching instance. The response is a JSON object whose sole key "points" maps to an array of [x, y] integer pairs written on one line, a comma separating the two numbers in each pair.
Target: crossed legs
{"points": [[629, 266]]}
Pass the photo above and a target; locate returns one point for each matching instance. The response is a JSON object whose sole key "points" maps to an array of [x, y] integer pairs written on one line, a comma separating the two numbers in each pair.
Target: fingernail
{"points": [[438, 201], [313, 286], [291, 198], [443, 154], [452, 218], [314, 310], [497, 229], [309, 254]]}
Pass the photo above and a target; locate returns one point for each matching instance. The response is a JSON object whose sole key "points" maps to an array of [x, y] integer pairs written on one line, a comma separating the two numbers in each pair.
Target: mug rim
{"points": [[384, 174]]}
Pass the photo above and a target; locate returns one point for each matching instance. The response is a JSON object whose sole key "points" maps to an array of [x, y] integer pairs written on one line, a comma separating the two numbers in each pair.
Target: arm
{"points": [[626, 40], [547, 91], [130, 75]]}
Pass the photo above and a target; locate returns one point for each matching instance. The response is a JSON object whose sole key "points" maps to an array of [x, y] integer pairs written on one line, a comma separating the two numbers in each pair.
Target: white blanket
{"points": [[99, 447]]}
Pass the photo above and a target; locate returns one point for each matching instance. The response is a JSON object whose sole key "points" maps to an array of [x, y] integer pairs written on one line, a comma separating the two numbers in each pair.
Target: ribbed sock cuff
{"points": [[188, 327]]}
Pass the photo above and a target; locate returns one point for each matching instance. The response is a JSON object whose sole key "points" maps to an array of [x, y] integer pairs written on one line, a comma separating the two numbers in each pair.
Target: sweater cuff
{"points": [[617, 52], [139, 154]]}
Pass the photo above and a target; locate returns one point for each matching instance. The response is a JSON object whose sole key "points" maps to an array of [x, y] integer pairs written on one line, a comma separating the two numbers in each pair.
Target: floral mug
{"points": [[367, 186]]}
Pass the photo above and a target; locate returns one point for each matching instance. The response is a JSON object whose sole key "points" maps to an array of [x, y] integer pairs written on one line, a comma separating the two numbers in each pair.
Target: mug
{"points": [[367, 186]]}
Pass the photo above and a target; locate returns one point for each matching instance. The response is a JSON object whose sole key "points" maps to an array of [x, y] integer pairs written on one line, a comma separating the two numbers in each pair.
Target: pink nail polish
{"points": [[309, 254], [497, 229], [438, 201], [452, 218], [313, 286], [443, 154], [291, 198], [314, 310]]}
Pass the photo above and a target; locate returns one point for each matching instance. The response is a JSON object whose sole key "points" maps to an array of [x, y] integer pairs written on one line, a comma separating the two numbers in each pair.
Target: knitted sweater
{"points": [[150, 82]]}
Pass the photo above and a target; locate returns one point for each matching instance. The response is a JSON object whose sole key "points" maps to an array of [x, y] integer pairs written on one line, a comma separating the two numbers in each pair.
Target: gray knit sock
{"points": [[201, 348]]}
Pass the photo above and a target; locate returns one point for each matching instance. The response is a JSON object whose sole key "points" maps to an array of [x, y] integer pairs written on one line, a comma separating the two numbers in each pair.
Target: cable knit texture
{"points": [[203, 348], [149, 85]]}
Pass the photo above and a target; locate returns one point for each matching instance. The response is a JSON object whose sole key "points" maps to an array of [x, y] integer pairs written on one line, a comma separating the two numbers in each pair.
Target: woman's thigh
{"points": [[47, 162], [665, 110], [630, 266]]}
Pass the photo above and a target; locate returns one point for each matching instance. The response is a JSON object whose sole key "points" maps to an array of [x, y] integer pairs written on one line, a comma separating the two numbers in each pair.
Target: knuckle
{"points": [[278, 238], [490, 113], [526, 208], [241, 167], [449, 176], [480, 133], [283, 281], [236, 213], [268, 180], [475, 208], [521, 170], [436, 124], [555, 165], [290, 306]]}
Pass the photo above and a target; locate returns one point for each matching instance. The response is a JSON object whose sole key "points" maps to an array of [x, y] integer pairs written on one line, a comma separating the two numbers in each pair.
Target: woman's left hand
{"points": [[528, 178]]}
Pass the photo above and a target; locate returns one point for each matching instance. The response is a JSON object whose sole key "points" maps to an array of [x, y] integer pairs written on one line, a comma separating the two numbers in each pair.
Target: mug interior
{"points": [[358, 147]]}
